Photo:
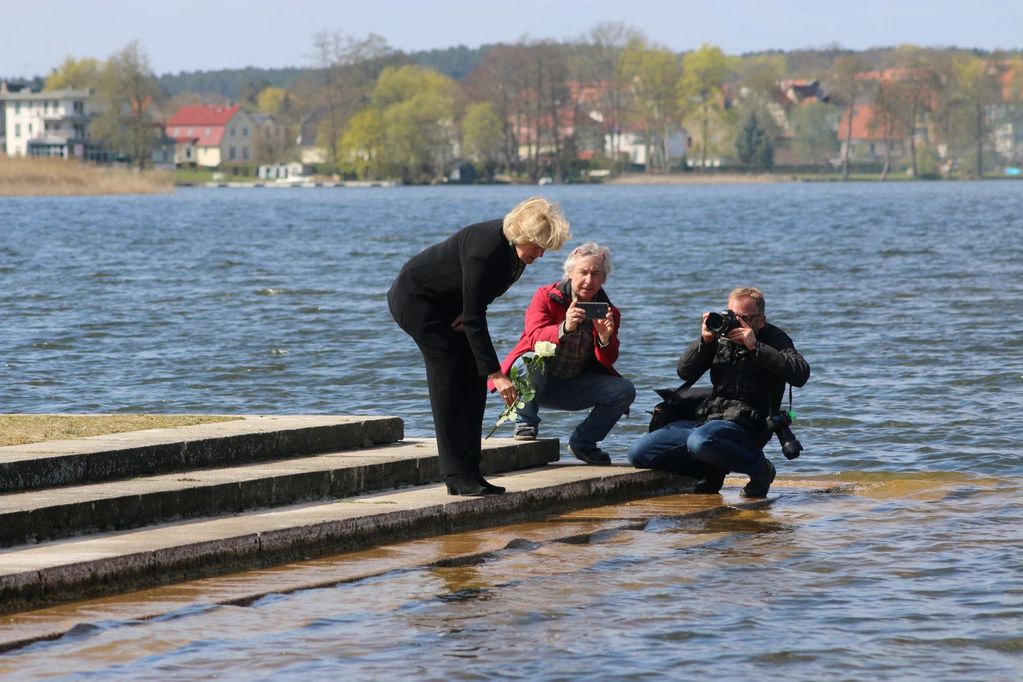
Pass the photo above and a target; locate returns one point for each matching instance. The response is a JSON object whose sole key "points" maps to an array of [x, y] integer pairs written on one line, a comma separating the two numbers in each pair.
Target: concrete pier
{"points": [[94, 516]]}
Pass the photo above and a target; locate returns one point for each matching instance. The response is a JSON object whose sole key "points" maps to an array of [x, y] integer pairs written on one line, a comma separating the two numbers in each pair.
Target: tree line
{"points": [[541, 107]]}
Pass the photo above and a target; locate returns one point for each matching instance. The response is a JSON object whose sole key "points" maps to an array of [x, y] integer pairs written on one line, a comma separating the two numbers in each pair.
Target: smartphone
{"points": [[593, 309]]}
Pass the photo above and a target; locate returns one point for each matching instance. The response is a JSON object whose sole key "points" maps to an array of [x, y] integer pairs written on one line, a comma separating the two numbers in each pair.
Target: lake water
{"points": [[905, 298]]}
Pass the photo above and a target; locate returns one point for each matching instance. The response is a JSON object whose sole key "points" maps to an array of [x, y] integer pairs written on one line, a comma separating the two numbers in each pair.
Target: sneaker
{"points": [[526, 431], [759, 485], [592, 456]]}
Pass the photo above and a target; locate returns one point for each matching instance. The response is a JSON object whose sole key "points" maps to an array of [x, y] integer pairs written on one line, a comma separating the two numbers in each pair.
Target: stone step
{"points": [[106, 563], [41, 515], [144, 453]]}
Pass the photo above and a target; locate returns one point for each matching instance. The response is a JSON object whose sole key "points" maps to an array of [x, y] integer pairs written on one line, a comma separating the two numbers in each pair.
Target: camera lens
{"points": [[715, 322]]}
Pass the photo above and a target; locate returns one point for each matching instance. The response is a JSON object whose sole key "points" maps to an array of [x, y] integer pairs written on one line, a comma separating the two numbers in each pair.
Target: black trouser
{"points": [[458, 393], [458, 397]]}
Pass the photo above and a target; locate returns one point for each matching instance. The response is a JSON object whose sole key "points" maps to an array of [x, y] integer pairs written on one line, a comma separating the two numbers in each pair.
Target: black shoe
{"points": [[759, 485], [712, 481], [471, 485], [592, 456]]}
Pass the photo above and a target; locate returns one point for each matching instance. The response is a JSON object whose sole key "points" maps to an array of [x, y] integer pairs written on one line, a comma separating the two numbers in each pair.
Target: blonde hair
{"points": [[750, 292], [537, 221], [588, 250]]}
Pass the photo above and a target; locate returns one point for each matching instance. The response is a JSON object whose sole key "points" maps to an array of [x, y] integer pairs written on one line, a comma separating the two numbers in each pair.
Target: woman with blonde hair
{"points": [[440, 299]]}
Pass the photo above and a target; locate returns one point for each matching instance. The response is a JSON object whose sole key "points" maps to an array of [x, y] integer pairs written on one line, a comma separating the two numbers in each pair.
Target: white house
{"points": [[211, 135], [633, 147], [50, 123]]}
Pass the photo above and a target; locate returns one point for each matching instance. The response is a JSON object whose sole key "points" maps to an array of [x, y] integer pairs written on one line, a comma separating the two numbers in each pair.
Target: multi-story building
{"points": [[53, 123], [211, 135]]}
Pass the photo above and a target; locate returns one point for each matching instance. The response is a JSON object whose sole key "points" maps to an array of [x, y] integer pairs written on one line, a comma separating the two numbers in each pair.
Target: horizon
{"points": [[271, 36]]}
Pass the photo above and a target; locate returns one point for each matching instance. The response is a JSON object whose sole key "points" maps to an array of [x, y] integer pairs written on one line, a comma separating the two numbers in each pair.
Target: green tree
{"points": [[481, 133], [130, 93], [754, 146], [759, 75], [814, 131], [77, 74], [703, 77], [272, 100], [362, 144], [417, 110], [655, 74]]}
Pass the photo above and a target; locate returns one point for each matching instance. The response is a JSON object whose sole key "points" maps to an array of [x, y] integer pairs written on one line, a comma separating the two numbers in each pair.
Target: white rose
{"points": [[544, 349]]}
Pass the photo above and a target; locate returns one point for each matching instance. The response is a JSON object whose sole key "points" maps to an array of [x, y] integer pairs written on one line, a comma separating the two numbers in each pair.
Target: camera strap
{"points": [[783, 394]]}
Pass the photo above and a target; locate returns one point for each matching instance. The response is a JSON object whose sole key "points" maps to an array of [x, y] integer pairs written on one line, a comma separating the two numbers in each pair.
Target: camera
{"points": [[721, 323], [779, 424], [594, 310]]}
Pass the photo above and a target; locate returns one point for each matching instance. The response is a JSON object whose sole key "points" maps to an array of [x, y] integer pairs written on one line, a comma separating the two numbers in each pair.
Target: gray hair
{"points": [[588, 250]]}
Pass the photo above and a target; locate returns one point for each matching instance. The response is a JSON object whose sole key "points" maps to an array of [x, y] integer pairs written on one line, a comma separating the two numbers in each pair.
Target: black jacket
{"points": [[461, 275], [747, 385]]}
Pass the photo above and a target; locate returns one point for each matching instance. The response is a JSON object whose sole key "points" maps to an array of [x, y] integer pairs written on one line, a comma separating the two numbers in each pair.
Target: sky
{"points": [[193, 35]]}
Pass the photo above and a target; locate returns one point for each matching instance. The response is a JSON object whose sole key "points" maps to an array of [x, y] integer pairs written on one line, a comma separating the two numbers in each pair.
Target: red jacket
{"points": [[544, 316]]}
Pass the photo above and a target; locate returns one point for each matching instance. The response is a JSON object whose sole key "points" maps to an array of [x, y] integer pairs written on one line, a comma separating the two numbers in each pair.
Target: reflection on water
{"points": [[888, 576]]}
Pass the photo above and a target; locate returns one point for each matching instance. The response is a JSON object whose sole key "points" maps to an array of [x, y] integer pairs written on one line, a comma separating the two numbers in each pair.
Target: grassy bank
{"points": [[19, 429], [43, 177]]}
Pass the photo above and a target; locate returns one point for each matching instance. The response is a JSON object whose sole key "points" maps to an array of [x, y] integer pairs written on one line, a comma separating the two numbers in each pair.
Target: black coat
{"points": [[747, 385], [461, 275]]}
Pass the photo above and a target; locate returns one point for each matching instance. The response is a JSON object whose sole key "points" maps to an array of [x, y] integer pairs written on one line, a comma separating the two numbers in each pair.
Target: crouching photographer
{"points": [[750, 361]]}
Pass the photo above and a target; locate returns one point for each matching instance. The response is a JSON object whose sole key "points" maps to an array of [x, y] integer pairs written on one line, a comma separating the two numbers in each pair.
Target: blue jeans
{"points": [[684, 448], [610, 397]]}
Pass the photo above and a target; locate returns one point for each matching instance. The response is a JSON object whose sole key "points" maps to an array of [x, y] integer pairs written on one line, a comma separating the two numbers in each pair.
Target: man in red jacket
{"points": [[581, 374]]}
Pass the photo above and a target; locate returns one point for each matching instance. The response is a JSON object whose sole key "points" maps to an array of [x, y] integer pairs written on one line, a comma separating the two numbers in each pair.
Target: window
{"points": [[79, 107], [17, 130], [209, 131], [232, 131], [17, 107], [245, 131], [231, 154], [245, 153], [29, 128]]}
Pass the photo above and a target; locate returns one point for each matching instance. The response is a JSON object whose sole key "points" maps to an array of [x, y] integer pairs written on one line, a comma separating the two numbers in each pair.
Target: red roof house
{"points": [[211, 135]]}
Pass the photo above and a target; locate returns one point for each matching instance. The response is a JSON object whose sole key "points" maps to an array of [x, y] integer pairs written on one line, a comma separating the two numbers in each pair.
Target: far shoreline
{"points": [[697, 178]]}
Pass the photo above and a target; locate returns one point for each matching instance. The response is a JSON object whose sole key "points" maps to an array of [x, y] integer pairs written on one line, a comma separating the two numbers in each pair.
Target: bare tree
{"points": [[347, 69], [888, 118], [847, 87], [918, 84], [129, 89], [607, 41], [977, 86], [500, 79]]}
